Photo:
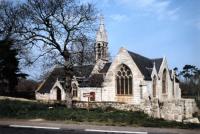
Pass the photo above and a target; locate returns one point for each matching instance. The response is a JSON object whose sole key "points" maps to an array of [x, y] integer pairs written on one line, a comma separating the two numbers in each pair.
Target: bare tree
{"points": [[85, 55], [55, 28], [8, 19]]}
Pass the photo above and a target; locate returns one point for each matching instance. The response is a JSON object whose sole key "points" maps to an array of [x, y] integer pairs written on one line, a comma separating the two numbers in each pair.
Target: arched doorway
{"points": [[58, 92]]}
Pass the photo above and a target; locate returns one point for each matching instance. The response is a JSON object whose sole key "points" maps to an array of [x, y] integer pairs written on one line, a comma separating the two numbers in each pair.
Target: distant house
{"points": [[129, 78]]}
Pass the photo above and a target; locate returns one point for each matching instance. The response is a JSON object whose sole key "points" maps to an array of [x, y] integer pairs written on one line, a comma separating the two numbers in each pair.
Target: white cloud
{"points": [[119, 17], [159, 8]]}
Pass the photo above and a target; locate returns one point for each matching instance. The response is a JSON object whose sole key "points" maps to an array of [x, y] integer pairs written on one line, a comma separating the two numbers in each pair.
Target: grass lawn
{"points": [[33, 110]]}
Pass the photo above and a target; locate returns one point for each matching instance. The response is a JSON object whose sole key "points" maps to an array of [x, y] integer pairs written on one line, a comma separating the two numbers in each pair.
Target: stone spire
{"points": [[101, 44], [101, 33]]}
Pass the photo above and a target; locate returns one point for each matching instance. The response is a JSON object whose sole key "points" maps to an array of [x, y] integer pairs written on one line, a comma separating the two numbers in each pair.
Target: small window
{"points": [[141, 92], [74, 93], [74, 90]]}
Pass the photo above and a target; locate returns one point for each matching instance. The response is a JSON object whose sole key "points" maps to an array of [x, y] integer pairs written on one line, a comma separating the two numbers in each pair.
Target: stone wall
{"points": [[177, 110]]}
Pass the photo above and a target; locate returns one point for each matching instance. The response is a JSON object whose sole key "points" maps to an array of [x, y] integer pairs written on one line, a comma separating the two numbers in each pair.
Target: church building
{"points": [[130, 82], [129, 78]]}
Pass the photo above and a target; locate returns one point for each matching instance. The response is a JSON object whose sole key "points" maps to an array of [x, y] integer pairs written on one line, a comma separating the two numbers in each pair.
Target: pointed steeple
{"points": [[101, 44], [101, 33], [154, 64]]}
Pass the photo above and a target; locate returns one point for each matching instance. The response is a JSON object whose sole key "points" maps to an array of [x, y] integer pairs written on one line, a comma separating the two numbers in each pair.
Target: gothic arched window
{"points": [[164, 81], [124, 80], [154, 85]]}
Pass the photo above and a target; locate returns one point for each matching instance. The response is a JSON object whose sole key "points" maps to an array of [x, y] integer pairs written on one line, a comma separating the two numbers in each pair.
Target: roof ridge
{"points": [[138, 55], [156, 58]]}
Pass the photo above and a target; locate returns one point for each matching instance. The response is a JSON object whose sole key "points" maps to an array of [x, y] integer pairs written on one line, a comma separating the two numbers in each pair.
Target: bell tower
{"points": [[101, 45]]}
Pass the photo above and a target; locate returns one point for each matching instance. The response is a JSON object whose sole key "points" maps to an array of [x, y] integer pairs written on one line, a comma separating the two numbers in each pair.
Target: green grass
{"points": [[32, 110]]}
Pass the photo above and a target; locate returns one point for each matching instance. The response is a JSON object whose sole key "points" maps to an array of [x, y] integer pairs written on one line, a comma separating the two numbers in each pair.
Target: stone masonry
{"points": [[178, 110]]}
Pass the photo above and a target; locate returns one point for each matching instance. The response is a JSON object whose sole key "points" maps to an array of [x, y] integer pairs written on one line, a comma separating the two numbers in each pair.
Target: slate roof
{"points": [[145, 64], [58, 73], [51, 79], [95, 80], [105, 68], [83, 73], [158, 63]]}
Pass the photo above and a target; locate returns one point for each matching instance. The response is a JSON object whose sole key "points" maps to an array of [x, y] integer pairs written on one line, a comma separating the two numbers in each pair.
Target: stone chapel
{"points": [[130, 78]]}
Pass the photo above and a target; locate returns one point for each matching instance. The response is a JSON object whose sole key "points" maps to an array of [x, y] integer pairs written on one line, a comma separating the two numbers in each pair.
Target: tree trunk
{"points": [[68, 90], [68, 69]]}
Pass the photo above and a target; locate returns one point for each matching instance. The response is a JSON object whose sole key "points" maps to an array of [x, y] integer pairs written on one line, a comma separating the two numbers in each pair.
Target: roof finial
{"points": [[101, 20]]}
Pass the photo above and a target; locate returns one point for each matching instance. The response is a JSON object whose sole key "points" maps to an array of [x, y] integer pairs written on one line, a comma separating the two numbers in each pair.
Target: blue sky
{"points": [[154, 28]]}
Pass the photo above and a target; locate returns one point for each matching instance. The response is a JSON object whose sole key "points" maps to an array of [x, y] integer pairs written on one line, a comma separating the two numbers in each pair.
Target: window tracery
{"points": [[124, 80]]}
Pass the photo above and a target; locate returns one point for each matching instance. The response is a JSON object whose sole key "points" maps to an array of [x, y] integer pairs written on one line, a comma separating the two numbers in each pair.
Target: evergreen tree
{"points": [[9, 70], [190, 82]]}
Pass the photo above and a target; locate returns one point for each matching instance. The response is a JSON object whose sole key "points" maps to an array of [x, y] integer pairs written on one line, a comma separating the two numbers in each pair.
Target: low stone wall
{"points": [[177, 110], [104, 105]]}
